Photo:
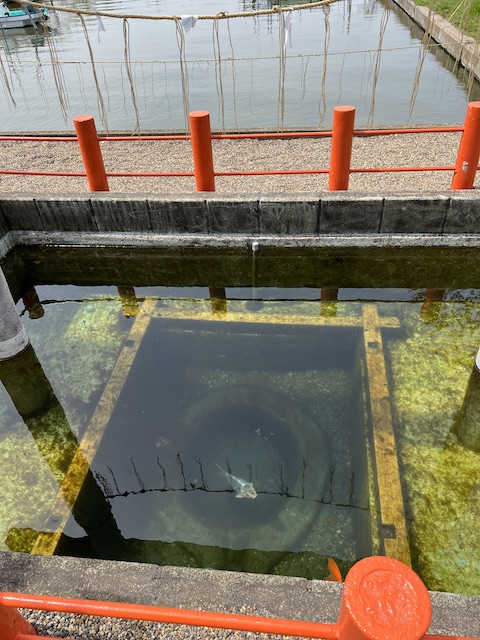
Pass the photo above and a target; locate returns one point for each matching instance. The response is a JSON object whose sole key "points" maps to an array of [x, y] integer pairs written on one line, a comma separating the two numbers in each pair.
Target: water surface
{"points": [[231, 68]]}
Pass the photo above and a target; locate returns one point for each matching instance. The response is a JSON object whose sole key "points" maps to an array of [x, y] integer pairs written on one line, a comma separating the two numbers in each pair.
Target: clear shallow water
{"points": [[244, 90], [274, 388]]}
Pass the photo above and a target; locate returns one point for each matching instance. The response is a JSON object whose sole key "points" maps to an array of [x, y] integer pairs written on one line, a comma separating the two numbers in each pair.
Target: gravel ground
{"points": [[79, 627], [397, 150]]}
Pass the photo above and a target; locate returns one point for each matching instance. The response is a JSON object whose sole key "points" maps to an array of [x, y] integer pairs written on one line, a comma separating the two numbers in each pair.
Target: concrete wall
{"points": [[285, 215]]}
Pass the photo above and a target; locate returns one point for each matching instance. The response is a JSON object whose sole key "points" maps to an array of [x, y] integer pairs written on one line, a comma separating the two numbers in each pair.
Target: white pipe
{"points": [[13, 337]]}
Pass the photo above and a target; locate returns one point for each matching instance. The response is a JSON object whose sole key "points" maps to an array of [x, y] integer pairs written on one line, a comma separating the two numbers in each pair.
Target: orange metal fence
{"points": [[342, 135], [382, 599]]}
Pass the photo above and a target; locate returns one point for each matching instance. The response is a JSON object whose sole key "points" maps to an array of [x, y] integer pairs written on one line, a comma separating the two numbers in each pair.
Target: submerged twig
{"points": [[166, 486], [137, 475]]}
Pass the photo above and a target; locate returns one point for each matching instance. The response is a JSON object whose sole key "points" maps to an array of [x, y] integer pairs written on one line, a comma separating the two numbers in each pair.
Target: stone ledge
{"points": [[208, 589], [257, 214]]}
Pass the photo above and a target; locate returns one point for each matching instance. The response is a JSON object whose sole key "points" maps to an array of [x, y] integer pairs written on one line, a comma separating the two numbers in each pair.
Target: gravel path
{"points": [[79, 627], [397, 150]]}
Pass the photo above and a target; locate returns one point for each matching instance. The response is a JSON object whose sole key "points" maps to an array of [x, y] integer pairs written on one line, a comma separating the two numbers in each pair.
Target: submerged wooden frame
{"points": [[391, 510]]}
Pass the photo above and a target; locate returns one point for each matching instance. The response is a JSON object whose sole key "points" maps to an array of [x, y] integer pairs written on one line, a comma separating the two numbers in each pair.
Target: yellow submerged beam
{"points": [[204, 315], [392, 510], [47, 541]]}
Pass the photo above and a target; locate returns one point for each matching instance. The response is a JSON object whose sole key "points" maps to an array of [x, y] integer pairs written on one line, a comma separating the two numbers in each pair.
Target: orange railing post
{"points": [[91, 153], [342, 140], [383, 598], [202, 150], [469, 149], [12, 624]]}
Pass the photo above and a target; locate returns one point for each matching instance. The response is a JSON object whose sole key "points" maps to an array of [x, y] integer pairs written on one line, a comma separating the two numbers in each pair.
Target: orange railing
{"points": [[382, 598], [342, 135]]}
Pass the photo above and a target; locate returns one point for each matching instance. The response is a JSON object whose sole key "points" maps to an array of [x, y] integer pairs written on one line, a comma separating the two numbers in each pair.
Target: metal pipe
{"points": [[236, 136], [240, 622], [13, 625], [190, 174], [13, 336]]}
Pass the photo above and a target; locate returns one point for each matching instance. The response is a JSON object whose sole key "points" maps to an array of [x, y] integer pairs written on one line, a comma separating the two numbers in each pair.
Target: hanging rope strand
{"points": [[322, 108], [218, 73], [6, 84], [101, 104], [223, 15], [57, 74], [234, 74], [183, 69], [281, 72], [378, 57], [128, 68]]}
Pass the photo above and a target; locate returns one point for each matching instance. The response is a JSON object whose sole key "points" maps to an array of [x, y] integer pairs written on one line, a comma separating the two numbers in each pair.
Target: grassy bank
{"points": [[464, 14]]}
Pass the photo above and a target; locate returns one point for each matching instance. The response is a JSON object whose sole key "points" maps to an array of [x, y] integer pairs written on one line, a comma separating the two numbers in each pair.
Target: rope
{"points": [[322, 107], [234, 59], [128, 68], [172, 174], [6, 83], [183, 70], [272, 135], [378, 56], [422, 54], [282, 71], [57, 75], [101, 105], [222, 15], [218, 74]]}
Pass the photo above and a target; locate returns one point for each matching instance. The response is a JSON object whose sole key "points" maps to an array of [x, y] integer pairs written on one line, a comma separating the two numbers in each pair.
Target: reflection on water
{"points": [[279, 396], [148, 73]]}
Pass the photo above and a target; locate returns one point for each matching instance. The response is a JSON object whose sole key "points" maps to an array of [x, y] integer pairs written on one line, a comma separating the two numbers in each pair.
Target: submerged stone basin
{"points": [[440, 220]]}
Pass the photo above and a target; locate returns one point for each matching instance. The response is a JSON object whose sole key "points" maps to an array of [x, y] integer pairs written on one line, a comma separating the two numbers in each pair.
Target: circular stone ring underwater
{"points": [[262, 437]]}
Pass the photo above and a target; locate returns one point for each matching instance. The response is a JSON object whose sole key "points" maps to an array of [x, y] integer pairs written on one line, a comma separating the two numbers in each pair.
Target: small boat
{"points": [[18, 18]]}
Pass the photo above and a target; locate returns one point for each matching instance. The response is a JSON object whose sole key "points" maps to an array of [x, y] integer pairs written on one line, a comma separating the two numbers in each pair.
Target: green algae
{"points": [[77, 346], [430, 371], [28, 488]]}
